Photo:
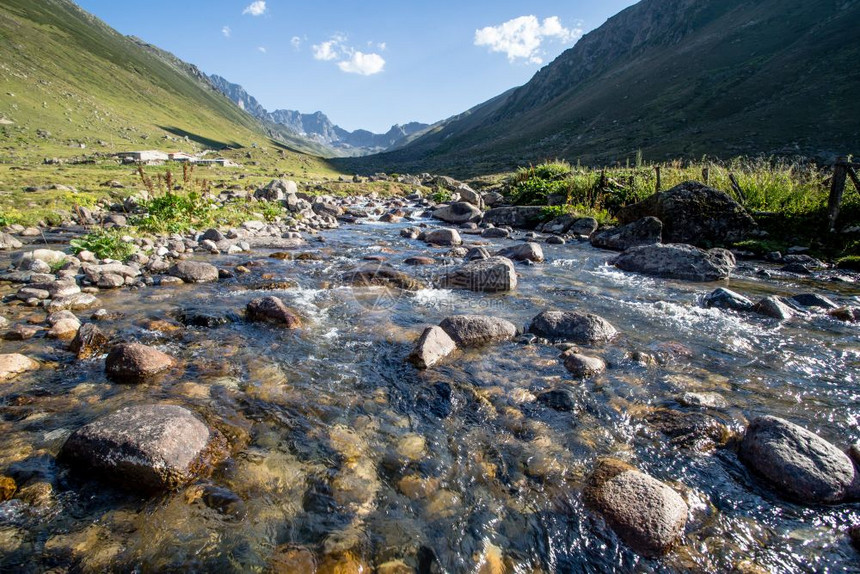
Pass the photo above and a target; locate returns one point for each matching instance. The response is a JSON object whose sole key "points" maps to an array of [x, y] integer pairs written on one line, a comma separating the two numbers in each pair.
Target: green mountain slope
{"points": [[674, 78], [68, 80]]}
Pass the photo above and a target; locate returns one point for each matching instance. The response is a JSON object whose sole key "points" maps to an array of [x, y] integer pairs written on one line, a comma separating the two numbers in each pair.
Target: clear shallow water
{"points": [[343, 446]]}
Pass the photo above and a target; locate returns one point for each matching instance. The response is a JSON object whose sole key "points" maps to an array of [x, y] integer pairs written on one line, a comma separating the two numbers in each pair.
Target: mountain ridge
{"points": [[317, 126], [674, 79]]}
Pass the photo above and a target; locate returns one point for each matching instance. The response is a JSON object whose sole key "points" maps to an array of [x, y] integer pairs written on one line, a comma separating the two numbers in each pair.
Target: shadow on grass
{"points": [[208, 142]]}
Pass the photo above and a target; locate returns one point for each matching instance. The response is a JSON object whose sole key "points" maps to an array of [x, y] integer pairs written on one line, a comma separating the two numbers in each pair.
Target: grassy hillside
{"points": [[71, 86], [673, 78]]}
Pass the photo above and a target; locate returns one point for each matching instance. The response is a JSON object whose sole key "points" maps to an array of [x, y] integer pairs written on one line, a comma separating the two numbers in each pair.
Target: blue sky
{"points": [[364, 64]]}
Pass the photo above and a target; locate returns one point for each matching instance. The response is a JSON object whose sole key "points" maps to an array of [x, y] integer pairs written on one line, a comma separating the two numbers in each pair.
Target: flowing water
{"points": [[344, 449]]}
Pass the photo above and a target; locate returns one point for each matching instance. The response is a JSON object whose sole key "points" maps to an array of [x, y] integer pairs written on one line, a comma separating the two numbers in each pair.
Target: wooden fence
{"points": [[842, 171]]}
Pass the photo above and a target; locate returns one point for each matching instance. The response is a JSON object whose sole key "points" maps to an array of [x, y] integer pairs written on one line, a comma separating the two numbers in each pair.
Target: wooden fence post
{"points": [[837, 188], [736, 187], [659, 182], [706, 175]]}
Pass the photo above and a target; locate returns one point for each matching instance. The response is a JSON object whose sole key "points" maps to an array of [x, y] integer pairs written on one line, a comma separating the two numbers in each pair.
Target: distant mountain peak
{"points": [[317, 126]]}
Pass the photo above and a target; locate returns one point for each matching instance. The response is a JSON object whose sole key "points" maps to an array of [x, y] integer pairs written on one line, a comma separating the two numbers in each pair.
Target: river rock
{"points": [[133, 362], [495, 233], [458, 212], [74, 302], [277, 190], [646, 514], [89, 341], [572, 326], [522, 217], [523, 252], [145, 448], [772, 306], [65, 329], [693, 213], [382, 275], [194, 271], [559, 225], [8, 242], [477, 253], [814, 300], [13, 364], [433, 346], [491, 275], [646, 231], [477, 330], [273, 310], [561, 400], [583, 366], [447, 237], [676, 261], [419, 260], [584, 226], [410, 232], [697, 431], [723, 298], [797, 461], [49, 256], [848, 314]]}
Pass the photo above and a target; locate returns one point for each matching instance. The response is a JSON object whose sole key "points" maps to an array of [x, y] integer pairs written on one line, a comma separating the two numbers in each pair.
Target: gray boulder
{"points": [[448, 237], [572, 326], [277, 190], [490, 275], [584, 226], [7, 242], [194, 271], [145, 448], [646, 231], [495, 233], [459, 212], [477, 330], [433, 346], [693, 213], [522, 217], [675, 261], [646, 514], [723, 298], [134, 363], [469, 195], [583, 366], [798, 462], [773, 306], [523, 252], [559, 225]]}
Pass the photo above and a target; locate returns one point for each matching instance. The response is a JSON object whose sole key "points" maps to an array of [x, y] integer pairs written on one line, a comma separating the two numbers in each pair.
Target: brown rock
{"points": [[88, 342], [7, 488], [133, 362], [13, 364], [272, 310]]}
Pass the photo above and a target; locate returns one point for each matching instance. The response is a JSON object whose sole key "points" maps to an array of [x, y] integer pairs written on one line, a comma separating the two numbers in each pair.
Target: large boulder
{"points": [[272, 310], [433, 346], [146, 448], [194, 271], [646, 514], [448, 237], [491, 275], [134, 363], [676, 261], [523, 252], [572, 326], [523, 217], [382, 275], [559, 225], [8, 242], [477, 330], [693, 213], [458, 212], [277, 190], [646, 231], [798, 462], [469, 195]]}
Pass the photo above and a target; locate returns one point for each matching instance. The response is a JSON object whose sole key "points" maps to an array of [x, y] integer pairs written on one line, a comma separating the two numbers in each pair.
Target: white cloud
{"points": [[226, 31], [382, 46], [522, 38], [361, 63], [296, 42], [257, 8], [262, 49], [327, 51]]}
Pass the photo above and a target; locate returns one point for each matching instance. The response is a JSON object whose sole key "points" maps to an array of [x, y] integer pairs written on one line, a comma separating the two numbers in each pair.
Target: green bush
{"points": [[105, 244], [174, 213]]}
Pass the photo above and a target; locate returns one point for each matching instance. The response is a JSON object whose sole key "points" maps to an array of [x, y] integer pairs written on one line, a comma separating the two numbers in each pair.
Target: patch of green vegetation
{"points": [[105, 244], [441, 195], [761, 246], [851, 262]]}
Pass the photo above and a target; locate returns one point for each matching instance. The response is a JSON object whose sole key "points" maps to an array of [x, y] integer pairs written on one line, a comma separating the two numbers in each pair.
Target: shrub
{"points": [[105, 244]]}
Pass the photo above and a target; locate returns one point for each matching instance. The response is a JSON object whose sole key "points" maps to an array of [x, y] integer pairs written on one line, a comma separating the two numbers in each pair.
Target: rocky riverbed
{"points": [[397, 393]]}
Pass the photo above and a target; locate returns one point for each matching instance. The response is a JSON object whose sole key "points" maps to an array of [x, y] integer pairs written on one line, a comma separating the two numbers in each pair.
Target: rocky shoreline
{"points": [[156, 447]]}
